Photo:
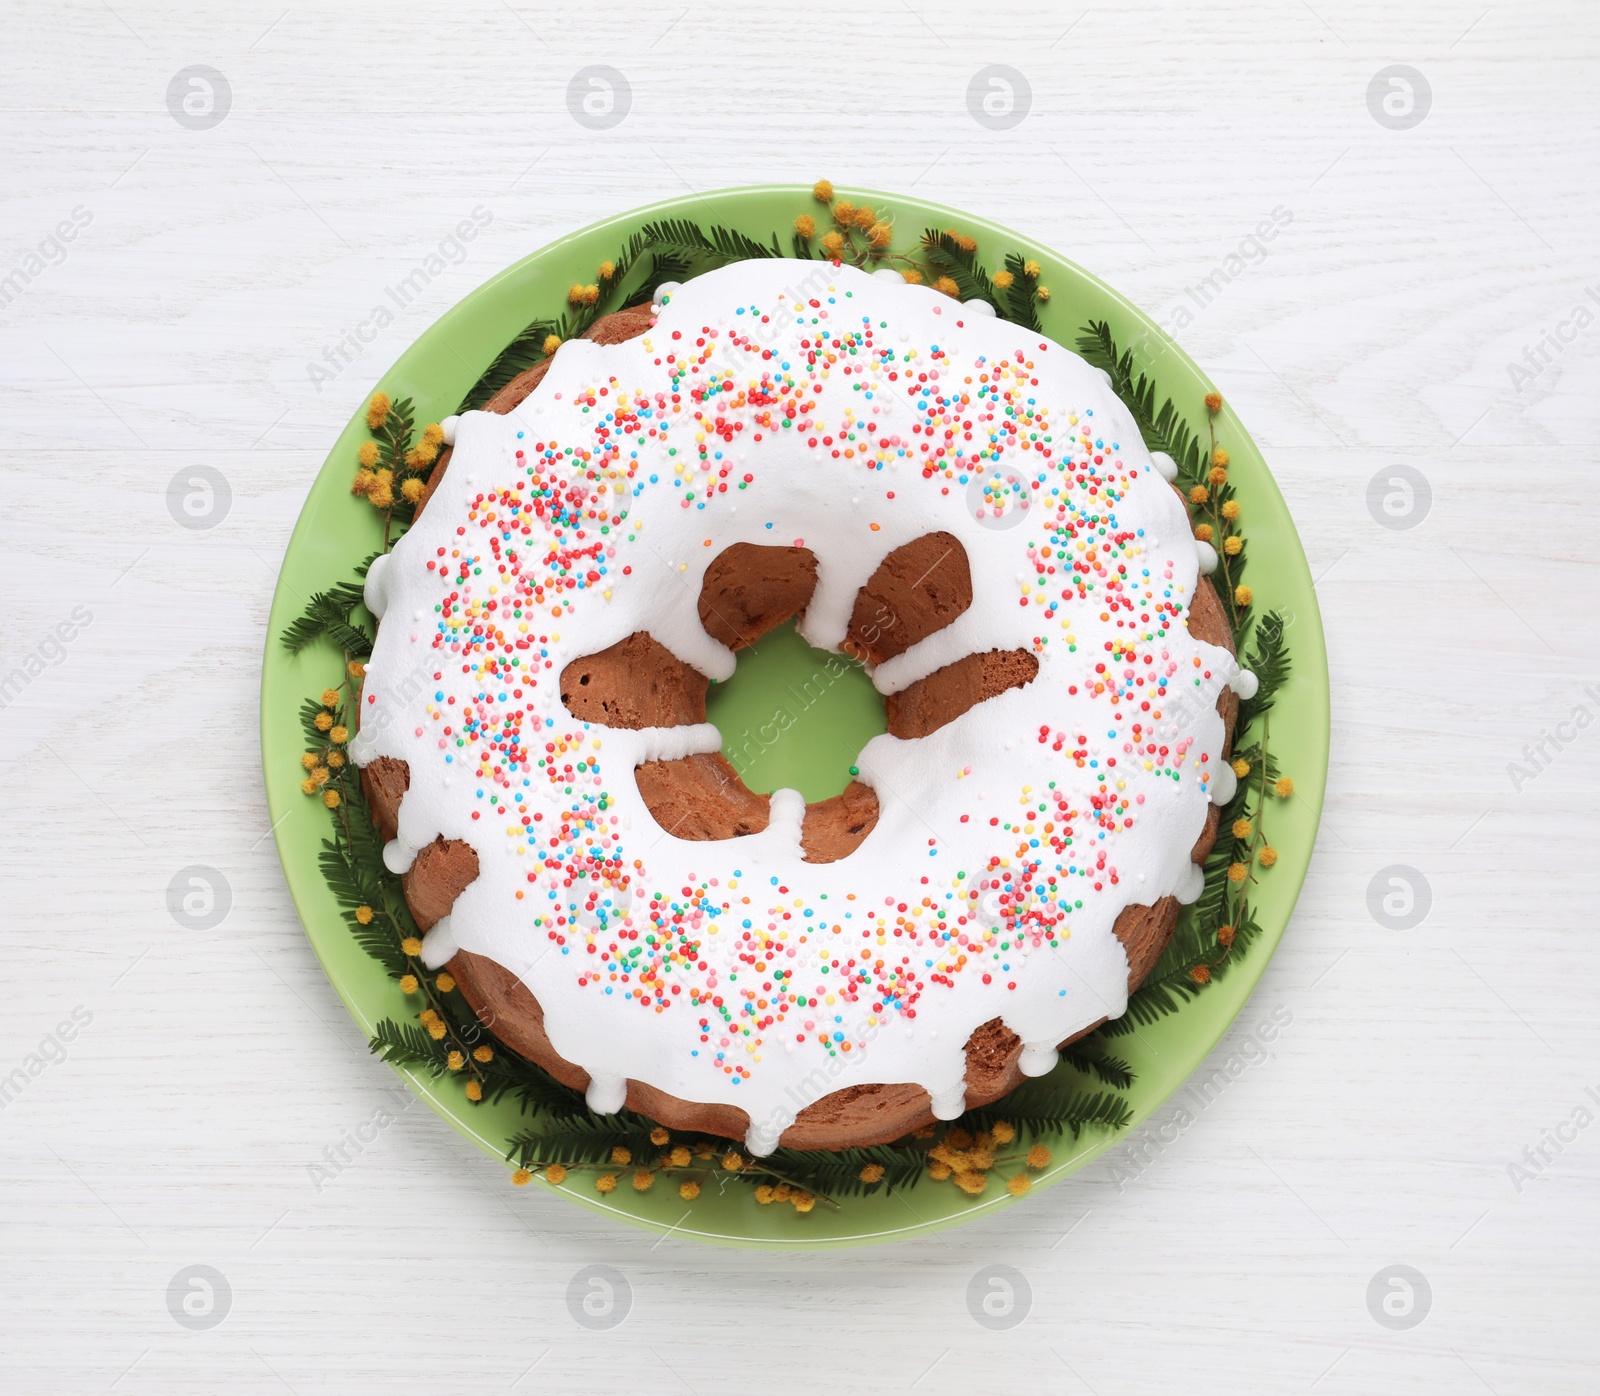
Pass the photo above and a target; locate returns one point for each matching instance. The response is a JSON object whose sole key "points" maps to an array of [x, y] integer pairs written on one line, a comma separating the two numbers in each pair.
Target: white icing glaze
{"points": [[372, 593], [439, 945], [1223, 784], [1008, 841], [1038, 1058], [949, 1101], [608, 1093]]}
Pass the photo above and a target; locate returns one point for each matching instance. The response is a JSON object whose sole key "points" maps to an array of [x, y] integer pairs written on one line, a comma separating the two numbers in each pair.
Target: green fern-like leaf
{"points": [[1021, 296], [835, 1174], [508, 1074], [1171, 984], [948, 258], [587, 1139], [1040, 1107], [1090, 1057], [405, 1044], [523, 353], [686, 238], [664, 266], [682, 236], [310, 711], [527, 349], [328, 616], [737, 247], [536, 1091], [1268, 660]]}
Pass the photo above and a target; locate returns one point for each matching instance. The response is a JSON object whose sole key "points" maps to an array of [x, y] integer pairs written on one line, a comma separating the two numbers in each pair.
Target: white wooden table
{"points": [[212, 263]]}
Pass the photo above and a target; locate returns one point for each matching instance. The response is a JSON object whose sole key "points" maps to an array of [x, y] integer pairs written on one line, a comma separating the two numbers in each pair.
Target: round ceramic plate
{"points": [[336, 531]]}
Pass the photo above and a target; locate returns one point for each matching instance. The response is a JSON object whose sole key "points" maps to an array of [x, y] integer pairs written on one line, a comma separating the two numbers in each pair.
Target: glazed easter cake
{"points": [[950, 499]]}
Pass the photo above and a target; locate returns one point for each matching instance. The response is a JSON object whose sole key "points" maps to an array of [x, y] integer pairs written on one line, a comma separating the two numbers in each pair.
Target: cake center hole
{"points": [[795, 717]]}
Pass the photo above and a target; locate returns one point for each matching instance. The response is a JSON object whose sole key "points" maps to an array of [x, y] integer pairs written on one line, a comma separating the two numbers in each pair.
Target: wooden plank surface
{"points": [[207, 1068]]}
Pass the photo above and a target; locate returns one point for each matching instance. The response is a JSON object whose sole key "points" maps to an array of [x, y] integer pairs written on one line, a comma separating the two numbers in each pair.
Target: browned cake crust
{"points": [[919, 588], [748, 590]]}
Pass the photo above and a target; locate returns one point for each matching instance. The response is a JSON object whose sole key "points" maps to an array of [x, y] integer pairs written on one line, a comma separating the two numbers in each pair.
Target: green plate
{"points": [[336, 530]]}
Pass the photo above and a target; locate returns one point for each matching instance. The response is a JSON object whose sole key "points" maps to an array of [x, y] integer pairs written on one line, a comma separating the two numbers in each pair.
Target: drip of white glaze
{"points": [[439, 944], [762, 1139], [1223, 784], [607, 1094], [1038, 1058], [372, 593], [949, 1103]]}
